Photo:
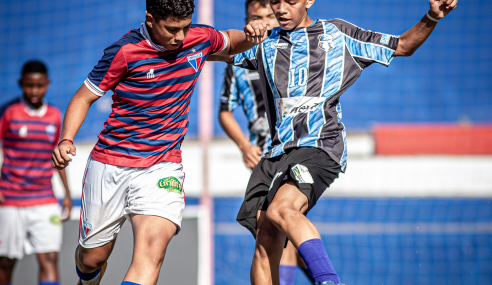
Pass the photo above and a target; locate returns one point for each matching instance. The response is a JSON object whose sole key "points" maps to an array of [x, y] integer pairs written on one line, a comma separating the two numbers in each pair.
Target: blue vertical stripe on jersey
{"points": [[299, 63], [269, 58], [334, 62], [370, 51]]}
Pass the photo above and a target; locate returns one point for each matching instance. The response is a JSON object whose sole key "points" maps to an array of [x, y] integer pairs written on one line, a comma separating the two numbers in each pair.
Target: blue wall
{"points": [[378, 241], [447, 80]]}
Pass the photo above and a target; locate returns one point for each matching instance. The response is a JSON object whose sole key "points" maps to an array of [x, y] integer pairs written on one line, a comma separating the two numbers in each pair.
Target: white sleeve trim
{"points": [[225, 41], [93, 88]]}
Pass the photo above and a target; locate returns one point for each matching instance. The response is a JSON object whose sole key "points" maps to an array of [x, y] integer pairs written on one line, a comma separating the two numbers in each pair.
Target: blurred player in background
{"points": [[242, 87], [29, 212], [134, 171], [305, 66]]}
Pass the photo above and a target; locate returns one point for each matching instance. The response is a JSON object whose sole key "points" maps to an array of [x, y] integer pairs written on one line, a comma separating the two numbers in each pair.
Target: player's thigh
{"points": [[104, 198], [268, 237], [151, 234], [44, 228], [13, 232], [158, 191], [288, 197]]}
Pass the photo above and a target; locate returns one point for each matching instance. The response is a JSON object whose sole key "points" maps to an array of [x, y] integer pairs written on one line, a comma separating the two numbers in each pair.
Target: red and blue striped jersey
{"points": [[152, 90], [28, 139]]}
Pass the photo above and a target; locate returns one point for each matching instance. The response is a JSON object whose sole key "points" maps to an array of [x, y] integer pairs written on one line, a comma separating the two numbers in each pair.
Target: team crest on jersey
{"points": [[325, 42], [195, 60], [385, 39], [171, 184], [51, 130], [86, 228]]}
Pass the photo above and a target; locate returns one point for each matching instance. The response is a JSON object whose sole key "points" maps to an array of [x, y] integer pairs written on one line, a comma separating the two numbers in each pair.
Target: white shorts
{"points": [[111, 193], [27, 230]]}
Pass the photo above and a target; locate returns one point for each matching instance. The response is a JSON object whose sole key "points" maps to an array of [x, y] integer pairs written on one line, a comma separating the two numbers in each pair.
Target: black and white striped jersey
{"points": [[304, 72]]}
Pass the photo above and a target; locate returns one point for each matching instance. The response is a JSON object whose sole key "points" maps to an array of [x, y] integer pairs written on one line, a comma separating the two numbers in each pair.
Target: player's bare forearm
{"points": [[74, 117], [412, 39], [224, 58], [63, 178], [232, 128], [251, 153], [77, 111], [254, 33]]}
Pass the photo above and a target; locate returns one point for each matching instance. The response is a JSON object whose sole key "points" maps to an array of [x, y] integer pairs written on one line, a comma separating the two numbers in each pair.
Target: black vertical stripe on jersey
{"points": [[317, 61], [261, 141], [226, 92], [260, 106], [282, 65], [300, 124]]}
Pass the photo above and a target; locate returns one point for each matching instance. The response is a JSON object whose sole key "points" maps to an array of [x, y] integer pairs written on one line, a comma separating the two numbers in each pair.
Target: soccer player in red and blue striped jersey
{"points": [[29, 211], [134, 170]]}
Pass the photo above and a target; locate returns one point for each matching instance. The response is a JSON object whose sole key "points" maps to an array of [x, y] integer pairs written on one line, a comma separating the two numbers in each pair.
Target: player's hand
{"points": [[251, 155], [1, 198], [60, 158], [256, 31], [441, 8], [66, 208]]}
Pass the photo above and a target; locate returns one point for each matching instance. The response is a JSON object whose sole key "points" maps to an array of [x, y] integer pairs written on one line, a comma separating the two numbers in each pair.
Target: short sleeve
{"points": [[229, 97], [4, 121], [109, 70], [218, 40], [247, 59], [367, 47], [58, 128]]}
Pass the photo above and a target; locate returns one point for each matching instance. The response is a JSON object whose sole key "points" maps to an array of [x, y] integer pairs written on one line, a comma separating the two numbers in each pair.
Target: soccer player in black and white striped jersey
{"points": [[305, 66]]}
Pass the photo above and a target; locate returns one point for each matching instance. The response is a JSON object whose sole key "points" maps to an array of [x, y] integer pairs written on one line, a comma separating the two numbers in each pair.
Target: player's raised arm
{"points": [[254, 33], [74, 117], [412, 39]]}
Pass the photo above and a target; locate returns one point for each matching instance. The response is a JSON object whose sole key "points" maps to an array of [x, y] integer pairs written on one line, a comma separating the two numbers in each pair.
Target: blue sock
{"points": [[287, 274], [308, 274], [128, 283], [87, 276], [314, 255], [49, 283]]}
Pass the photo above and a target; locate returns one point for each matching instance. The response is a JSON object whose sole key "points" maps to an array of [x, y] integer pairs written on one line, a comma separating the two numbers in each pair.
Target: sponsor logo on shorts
{"points": [[86, 228], [171, 184], [302, 174], [55, 219]]}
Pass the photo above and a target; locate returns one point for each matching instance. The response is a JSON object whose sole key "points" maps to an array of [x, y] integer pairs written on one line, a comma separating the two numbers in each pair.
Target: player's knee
{"points": [[279, 213], [48, 260], [7, 264], [88, 260]]}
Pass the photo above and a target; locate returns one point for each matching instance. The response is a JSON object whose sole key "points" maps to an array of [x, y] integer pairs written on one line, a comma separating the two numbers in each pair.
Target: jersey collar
{"points": [[35, 112], [146, 35]]}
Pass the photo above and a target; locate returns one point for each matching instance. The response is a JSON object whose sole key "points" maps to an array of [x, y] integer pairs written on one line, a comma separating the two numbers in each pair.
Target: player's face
{"points": [[169, 33], [34, 86], [258, 12], [291, 13]]}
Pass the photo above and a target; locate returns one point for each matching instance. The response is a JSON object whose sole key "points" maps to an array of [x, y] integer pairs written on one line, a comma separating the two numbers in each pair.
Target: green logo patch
{"points": [[55, 219], [171, 184]]}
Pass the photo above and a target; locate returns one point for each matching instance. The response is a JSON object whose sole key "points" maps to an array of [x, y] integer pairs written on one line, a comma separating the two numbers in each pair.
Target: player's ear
{"points": [[149, 19], [309, 3]]}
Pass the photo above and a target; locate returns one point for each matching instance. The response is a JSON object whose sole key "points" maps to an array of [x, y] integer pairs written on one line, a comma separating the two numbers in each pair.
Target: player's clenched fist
{"points": [[60, 158], [441, 8], [256, 31]]}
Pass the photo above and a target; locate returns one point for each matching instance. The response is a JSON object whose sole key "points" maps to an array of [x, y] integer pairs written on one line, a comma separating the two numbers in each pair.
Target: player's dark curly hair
{"points": [[163, 9], [34, 66], [264, 3]]}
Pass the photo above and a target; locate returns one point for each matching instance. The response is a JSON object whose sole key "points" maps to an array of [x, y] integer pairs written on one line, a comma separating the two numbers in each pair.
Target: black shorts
{"points": [[310, 168]]}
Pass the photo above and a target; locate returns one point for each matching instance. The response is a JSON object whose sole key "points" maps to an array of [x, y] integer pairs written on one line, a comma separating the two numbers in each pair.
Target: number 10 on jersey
{"points": [[302, 74]]}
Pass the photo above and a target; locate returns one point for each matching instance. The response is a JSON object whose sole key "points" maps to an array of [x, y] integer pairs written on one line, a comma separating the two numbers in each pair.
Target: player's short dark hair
{"points": [[263, 3], [34, 66], [163, 9]]}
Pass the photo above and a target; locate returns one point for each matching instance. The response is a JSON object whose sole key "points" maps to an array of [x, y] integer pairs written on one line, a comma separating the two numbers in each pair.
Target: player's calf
{"points": [[268, 251]]}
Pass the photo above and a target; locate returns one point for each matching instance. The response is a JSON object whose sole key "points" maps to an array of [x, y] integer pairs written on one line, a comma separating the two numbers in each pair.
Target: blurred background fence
{"points": [[414, 206]]}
